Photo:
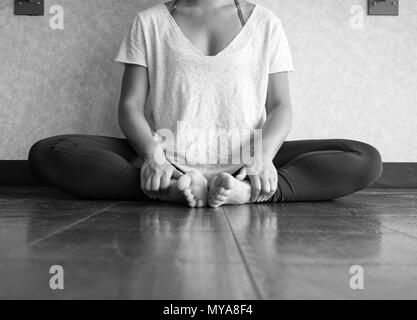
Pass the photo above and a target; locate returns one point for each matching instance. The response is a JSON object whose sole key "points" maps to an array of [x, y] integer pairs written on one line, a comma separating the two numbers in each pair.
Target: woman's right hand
{"points": [[156, 174]]}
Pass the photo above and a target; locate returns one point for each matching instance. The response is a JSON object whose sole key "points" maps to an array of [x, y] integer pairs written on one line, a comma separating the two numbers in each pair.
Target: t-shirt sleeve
{"points": [[133, 48], [280, 53]]}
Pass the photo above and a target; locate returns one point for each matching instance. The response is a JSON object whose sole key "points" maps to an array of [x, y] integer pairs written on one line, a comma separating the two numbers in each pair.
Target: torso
{"points": [[211, 32], [208, 78]]}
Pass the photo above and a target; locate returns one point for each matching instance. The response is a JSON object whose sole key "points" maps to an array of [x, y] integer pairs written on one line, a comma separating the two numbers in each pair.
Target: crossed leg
{"points": [[107, 168], [310, 170]]}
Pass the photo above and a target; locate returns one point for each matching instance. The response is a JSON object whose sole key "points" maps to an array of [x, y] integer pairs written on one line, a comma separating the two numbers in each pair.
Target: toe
{"points": [[217, 204], [226, 193], [227, 182], [184, 182], [213, 204], [200, 203], [219, 197]]}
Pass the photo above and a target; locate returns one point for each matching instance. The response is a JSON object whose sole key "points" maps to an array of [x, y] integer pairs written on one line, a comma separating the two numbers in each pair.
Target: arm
{"points": [[156, 172], [134, 93], [279, 115], [263, 174]]}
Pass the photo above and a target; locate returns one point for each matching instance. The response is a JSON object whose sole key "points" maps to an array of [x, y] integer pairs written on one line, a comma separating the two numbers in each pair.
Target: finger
{"points": [[265, 187], [148, 188], [148, 184], [256, 187], [242, 174], [143, 183], [269, 196], [165, 181], [259, 200], [177, 174], [156, 183], [274, 187], [274, 183], [142, 180], [148, 194]]}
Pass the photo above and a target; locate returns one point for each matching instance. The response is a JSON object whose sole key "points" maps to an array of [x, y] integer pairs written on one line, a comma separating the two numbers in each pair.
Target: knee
{"points": [[368, 166], [41, 154], [38, 156]]}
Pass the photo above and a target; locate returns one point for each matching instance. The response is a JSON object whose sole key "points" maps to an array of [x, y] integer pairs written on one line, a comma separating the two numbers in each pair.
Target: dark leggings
{"points": [[96, 167]]}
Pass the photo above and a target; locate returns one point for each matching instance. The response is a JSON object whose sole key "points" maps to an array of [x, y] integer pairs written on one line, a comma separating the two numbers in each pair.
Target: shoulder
{"points": [[268, 17], [150, 14]]}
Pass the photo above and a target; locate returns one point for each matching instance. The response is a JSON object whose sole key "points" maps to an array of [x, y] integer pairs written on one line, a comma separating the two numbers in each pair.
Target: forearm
{"points": [[137, 131], [275, 130]]}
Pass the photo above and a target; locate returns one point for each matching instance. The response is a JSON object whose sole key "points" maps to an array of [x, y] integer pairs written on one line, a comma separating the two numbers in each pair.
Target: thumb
{"points": [[242, 174], [177, 174]]}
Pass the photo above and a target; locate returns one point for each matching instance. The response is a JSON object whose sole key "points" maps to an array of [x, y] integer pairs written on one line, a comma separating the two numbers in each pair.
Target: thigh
{"points": [[118, 146], [316, 170], [93, 167], [293, 149]]}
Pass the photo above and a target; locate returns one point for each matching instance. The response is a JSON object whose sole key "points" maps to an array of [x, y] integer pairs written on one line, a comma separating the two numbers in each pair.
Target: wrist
{"points": [[154, 152], [267, 158], [268, 152], [264, 157]]}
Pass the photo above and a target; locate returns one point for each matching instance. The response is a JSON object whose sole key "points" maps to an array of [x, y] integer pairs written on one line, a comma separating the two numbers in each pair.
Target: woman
{"points": [[211, 65]]}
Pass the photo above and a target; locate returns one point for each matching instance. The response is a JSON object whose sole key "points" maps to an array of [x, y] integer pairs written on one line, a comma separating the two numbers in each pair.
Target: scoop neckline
{"points": [[243, 31]]}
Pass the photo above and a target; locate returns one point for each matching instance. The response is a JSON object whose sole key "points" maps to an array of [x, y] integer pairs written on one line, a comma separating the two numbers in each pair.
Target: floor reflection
{"points": [[288, 233], [150, 250], [158, 251]]}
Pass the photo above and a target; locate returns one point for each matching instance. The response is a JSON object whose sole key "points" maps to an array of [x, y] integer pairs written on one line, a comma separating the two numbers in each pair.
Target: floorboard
{"points": [[146, 250], [134, 251], [305, 250]]}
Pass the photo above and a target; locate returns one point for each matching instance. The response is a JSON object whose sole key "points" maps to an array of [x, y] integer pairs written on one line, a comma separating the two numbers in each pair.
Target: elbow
{"points": [[129, 115], [128, 106]]}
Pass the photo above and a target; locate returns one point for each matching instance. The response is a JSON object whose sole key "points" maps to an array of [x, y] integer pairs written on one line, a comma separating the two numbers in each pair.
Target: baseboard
{"points": [[17, 173], [396, 175]]}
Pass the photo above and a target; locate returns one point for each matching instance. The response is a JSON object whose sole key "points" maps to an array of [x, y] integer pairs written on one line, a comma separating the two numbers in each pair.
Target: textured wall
{"points": [[358, 84]]}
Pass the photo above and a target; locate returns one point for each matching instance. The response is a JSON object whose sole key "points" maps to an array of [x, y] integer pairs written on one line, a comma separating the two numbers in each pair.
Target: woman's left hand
{"points": [[263, 177]]}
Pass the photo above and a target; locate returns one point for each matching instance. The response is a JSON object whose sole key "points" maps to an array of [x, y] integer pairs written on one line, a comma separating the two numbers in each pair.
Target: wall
{"points": [[357, 84]]}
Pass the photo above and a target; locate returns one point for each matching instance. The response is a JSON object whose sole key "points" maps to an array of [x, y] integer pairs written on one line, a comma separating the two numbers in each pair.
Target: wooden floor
{"points": [[134, 250]]}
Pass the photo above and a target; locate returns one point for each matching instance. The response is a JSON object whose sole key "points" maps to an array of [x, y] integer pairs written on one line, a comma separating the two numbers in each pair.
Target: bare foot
{"points": [[225, 189], [193, 188]]}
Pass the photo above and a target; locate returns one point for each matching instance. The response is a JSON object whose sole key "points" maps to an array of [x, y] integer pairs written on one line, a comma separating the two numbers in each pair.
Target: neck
{"points": [[205, 3]]}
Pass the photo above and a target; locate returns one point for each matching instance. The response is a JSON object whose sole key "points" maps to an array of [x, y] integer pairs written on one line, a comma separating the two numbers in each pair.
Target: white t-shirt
{"points": [[202, 105]]}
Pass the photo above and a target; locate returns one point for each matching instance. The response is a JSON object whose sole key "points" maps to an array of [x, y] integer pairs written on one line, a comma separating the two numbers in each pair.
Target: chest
{"points": [[209, 34]]}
